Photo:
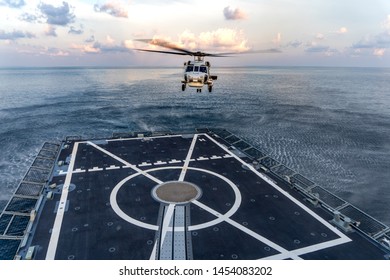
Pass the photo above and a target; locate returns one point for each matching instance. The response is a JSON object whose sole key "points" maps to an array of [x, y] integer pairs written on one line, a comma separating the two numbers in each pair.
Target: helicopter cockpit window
{"points": [[190, 68], [203, 69], [196, 69]]}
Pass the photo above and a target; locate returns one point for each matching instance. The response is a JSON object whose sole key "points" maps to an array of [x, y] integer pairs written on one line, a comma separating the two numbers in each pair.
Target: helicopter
{"points": [[197, 71]]}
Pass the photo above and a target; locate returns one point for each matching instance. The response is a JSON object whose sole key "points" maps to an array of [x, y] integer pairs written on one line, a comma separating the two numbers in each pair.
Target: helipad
{"points": [[203, 195]]}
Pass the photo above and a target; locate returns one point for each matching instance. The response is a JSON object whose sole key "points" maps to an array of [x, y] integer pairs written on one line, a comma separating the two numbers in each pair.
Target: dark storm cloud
{"points": [[61, 15], [12, 3], [14, 35]]}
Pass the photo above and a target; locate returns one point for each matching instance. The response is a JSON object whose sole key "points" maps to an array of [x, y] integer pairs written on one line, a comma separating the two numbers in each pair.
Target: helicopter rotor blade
{"points": [[245, 52], [181, 51], [165, 44], [156, 51]]}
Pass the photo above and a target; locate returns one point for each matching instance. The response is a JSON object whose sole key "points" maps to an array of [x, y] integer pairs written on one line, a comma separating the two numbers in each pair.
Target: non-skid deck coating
{"points": [[111, 201]]}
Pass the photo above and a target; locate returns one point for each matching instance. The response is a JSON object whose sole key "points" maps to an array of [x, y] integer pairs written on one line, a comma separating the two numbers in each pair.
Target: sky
{"points": [[44, 33]]}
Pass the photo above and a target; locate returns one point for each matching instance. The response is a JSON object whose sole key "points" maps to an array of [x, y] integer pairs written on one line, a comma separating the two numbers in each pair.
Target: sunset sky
{"points": [[102, 32]]}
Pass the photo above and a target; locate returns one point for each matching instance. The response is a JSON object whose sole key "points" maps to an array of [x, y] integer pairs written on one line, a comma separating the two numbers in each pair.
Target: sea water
{"points": [[330, 124]]}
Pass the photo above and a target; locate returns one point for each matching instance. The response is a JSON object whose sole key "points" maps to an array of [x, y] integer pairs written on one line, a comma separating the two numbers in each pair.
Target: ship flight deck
{"points": [[202, 195]]}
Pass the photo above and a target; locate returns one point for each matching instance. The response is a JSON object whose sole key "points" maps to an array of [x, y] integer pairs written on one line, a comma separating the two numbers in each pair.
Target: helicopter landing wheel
{"points": [[210, 88], [183, 87], [198, 90]]}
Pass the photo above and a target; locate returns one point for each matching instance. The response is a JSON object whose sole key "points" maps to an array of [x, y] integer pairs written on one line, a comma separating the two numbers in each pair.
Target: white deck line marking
{"points": [[247, 231], [112, 167], [153, 254], [187, 160], [118, 210], [125, 163], [273, 184], [165, 227], [202, 158], [141, 138], [120, 213], [309, 249], [55, 234], [343, 237]]}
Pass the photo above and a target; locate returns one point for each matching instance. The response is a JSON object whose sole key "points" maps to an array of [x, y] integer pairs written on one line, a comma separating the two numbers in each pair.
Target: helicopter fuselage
{"points": [[197, 74]]}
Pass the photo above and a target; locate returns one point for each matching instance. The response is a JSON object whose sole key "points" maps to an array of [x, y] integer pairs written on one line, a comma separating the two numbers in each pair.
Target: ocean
{"points": [[330, 124]]}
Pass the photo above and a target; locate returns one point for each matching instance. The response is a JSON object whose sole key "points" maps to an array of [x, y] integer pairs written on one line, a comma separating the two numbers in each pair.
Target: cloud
{"points": [[386, 23], [320, 36], [55, 52], [12, 3], [42, 51], [233, 14], [342, 30], [294, 44], [74, 30], [107, 47], [277, 39], [90, 39], [28, 17], [317, 49], [379, 52], [50, 31], [374, 44], [57, 15], [221, 39], [14, 35], [86, 48], [112, 8]]}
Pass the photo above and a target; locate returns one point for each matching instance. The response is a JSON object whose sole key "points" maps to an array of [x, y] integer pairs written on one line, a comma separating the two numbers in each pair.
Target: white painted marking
{"points": [[246, 230], [227, 155], [215, 157], [62, 172], [113, 167], [153, 254], [165, 227], [159, 162], [188, 158], [175, 161], [167, 219], [55, 234], [343, 237], [79, 170], [141, 138], [310, 249], [202, 158], [131, 220], [118, 210], [126, 163], [94, 169], [144, 164]]}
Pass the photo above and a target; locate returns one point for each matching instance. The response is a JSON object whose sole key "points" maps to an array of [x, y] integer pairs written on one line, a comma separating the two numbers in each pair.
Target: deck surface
{"points": [[111, 201]]}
